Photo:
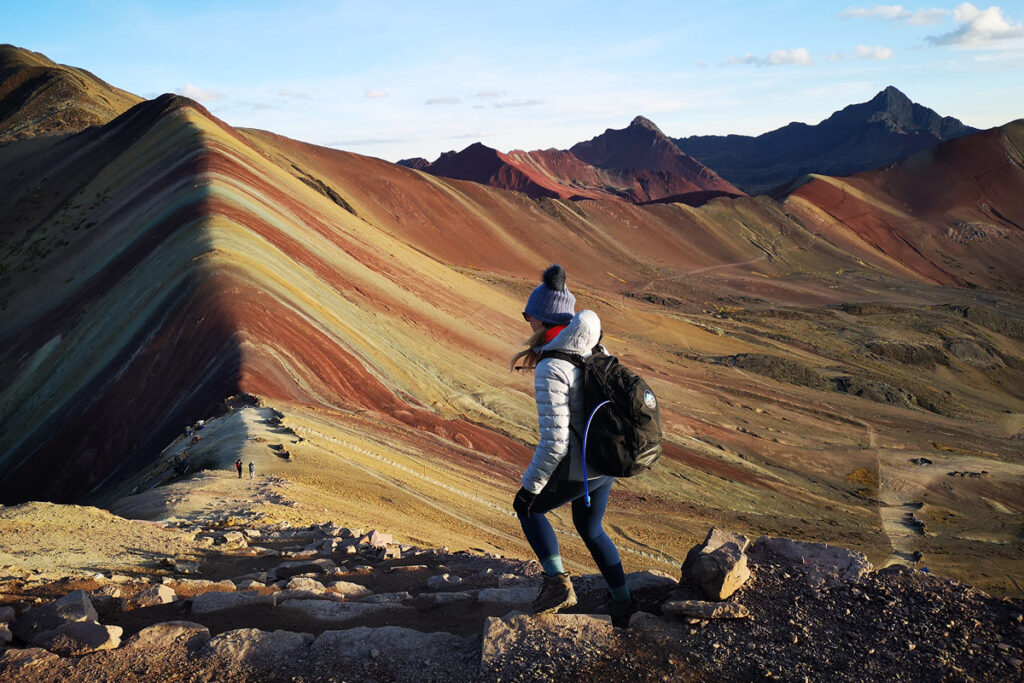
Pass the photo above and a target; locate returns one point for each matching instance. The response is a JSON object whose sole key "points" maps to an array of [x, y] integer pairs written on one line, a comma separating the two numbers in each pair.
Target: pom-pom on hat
{"points": [[550, 302]]}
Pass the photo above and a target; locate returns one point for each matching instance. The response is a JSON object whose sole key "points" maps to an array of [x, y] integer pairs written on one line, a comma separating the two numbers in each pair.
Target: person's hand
{"points": [[523, 502]]}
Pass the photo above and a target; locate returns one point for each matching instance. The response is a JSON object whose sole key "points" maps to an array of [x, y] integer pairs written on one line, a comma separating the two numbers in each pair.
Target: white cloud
{"points": [[872, 52], [531, 102], [375, 94], [980, 29], [200, 94], [799, 56], [488, 93], [834, 57], [930, 15], [294, 94], [443, 100]]}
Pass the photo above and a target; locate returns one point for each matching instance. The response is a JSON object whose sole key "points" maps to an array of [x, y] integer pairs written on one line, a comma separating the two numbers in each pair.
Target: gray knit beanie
{"points": [[551, 302]]}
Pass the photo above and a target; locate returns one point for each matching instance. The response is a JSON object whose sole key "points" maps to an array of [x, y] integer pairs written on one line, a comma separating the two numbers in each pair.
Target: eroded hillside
{"points": [[808, 354]]}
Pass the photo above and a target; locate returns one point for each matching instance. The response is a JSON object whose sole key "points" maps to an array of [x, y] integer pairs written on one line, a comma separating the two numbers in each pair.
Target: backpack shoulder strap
{"points": [[573, 358]]}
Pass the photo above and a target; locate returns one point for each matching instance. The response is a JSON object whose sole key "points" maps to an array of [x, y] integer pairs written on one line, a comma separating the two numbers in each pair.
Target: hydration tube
{"points": [[586, 433]]}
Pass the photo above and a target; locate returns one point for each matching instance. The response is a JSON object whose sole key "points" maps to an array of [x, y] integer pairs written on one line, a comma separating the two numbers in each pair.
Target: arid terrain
{"points": [[842, 364]]}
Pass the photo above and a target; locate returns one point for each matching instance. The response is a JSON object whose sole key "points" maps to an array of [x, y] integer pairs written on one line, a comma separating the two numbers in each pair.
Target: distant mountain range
{"points": [[641, 164], [861, 137], [638, 163]]}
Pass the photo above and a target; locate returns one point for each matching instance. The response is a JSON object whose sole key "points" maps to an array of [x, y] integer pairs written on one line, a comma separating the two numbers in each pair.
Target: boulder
{"points": [[73, 607], [515, 580], [160, 637], [719, 564], [217, 602], [387, 597], [261, 577], [721, 572], [5, 634], [820, 563], [302, 583], [78, 638], [251, 533], [715, 539], [443, 581], [507, 638], [650, 579], [705, 610], [286, 570], [233, 539], [391, 552], [428, 600], [6, 613], [253, 645], [337, 613], [508, 596], [109, 591], [399, 643], [155, 595], [349, 589], [250, 584], [376, 539]]}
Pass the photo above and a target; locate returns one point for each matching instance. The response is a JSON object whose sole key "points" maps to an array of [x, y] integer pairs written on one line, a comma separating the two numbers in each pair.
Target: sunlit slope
{"points": [[40, 97], [607, 245], [953, 214], [157, 265]]}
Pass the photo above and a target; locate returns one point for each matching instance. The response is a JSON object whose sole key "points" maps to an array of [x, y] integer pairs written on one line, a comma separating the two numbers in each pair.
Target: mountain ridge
{"points": [[859, 137], [38, 96], [638, 164], [171, 262]]}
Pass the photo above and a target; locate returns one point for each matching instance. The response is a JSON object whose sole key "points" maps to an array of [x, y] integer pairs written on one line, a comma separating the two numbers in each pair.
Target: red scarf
{"points": [[551, 333]]}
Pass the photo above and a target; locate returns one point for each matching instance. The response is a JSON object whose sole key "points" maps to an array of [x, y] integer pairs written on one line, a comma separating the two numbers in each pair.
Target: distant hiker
{"points": [[252, 470], [238, 466], [555, 474]]}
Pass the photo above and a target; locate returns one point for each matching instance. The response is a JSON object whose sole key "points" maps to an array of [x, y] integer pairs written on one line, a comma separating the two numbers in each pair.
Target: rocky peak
{"points": [[644, 122], [890, 98]]}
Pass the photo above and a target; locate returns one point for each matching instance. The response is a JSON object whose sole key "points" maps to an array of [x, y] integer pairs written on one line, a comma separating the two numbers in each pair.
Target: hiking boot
{"points": [[620, 612], [556, 593]]}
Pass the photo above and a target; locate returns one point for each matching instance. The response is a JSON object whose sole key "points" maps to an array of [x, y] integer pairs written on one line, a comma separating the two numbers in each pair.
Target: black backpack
{"points": [[623, 430]]}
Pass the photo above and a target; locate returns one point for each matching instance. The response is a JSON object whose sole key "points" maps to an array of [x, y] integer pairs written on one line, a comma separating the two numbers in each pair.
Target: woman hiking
{"points": [[555, 474]]}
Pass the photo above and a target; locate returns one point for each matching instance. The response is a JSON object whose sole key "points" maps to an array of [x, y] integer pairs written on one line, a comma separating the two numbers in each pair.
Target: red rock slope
{"points": [[953, 214]]}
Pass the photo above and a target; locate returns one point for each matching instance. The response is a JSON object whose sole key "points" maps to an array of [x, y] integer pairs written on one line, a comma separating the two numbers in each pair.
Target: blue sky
{"points": [[403, 79]]}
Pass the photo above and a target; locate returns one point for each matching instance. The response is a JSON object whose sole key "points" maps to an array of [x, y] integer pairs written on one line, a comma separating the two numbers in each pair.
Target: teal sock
{"points": [[620, 593], [552, 565]]}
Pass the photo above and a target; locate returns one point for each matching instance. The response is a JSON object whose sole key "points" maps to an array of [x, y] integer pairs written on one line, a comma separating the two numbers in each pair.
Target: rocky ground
{"points": [[249, 600]]}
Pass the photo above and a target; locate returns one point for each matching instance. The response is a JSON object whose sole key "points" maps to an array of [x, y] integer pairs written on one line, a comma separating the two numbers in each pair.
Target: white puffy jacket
{"points": [[559, 391]]}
